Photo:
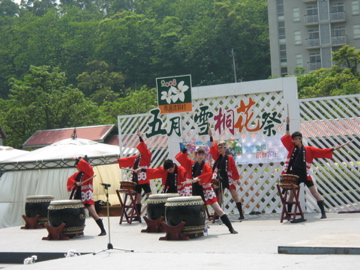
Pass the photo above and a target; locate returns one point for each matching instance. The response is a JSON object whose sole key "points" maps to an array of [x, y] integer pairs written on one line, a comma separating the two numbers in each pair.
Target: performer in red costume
{"points": [[299, 160], [200, 174], [81, 186], [172, 177], [225, 170], [139, 161]]}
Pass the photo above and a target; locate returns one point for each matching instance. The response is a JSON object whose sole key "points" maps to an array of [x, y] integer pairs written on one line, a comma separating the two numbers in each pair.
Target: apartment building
{"points": [[304, 33]]}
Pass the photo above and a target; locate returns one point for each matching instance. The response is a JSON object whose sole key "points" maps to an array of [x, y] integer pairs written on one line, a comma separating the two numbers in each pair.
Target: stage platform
{"points": [[262, 243]]}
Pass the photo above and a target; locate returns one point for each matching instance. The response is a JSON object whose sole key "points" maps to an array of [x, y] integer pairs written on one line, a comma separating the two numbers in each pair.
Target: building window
{"points": [[297, 35], [315, 57], [311, 10], [338, 31], [284, 71], [280, 8], [283, 58], [336, 7], [281, 29], [296, 14], [315, 60], [313, 33], [357, 31], [355, 8], [299, 60]]}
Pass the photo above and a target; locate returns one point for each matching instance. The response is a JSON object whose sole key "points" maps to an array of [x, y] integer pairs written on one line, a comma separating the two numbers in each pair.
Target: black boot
{"points": [[101, 226], [322, 208], [227, 222], [239, 207], [289, 208], [138, 207]]}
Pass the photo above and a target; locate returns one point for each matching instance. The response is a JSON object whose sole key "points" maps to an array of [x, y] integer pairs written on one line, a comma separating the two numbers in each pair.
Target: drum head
{"points": [[40, 198]]}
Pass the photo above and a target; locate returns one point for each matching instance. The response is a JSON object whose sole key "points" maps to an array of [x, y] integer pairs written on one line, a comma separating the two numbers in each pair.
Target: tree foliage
{"points": [[43, 101], [343, 78], [77, 62]]}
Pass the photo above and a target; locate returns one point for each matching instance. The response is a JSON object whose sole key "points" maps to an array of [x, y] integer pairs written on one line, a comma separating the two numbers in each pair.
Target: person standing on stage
{"points": [[172, 177], [139, 161], [81, 186], [299, 160], [225, 170], [200, 174]]}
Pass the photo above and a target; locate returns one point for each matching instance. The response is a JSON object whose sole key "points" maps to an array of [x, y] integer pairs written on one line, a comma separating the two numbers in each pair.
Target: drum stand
{"points": [[109, 245]]}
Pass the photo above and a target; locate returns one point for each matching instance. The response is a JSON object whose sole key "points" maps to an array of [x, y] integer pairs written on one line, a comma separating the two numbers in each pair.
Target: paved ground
{"points": [[255, 247]]}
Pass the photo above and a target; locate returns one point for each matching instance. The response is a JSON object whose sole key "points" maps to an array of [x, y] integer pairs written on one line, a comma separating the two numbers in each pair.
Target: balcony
{"points": [[312, 43], [314, 66], [338, 16], [339, 40], [311, 19]]}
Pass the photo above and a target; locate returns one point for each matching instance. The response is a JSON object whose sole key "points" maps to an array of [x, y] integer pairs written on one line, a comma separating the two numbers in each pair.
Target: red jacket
{"points": [[160, 172], [310, 153], [87, 187], [232, 170], [144, 162], [188, 163]]}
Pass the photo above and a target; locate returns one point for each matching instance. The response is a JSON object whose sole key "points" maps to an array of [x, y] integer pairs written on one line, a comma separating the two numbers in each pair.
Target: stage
{"points": [[262, 242]]}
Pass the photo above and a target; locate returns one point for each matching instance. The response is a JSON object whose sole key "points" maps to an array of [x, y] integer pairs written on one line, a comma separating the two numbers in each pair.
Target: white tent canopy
{"points": [[17, 185], [68, 148], [7, 152]]}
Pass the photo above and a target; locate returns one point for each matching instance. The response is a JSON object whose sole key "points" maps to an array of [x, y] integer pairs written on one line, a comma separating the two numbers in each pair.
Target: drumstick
{"points": [[342, 145], [288, 113], [83, 182]]}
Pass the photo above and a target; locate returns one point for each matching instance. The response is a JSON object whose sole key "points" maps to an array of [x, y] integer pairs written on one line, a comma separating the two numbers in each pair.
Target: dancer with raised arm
{"points": [[139, 161], [299, 160]]}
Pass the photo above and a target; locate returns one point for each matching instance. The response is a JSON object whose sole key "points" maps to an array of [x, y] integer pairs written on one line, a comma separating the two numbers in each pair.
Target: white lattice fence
{"points": [[327, 122], [233, 111]]}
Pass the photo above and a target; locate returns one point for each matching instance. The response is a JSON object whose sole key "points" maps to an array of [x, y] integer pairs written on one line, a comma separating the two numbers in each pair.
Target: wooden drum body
{"points": [[38, 205], [288, 179], [71, 212], [127, 185], [156, 204], [191, 210]]}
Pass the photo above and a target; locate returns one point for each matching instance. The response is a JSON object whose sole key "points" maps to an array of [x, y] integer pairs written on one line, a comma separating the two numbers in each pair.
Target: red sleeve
{"points": [[185, 161], [287, 142], [320, 153], [145, 154], [85, 167], [155, 173], [71, 182], [233, 168], [214, 151], [206, 174], [127, 161], [181, 175]]}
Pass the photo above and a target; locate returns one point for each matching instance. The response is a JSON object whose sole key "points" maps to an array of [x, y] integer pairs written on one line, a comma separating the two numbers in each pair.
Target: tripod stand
{"points": [[109, 245]]}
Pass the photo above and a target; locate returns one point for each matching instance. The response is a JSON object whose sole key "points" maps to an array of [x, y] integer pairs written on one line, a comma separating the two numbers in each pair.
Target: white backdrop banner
{"points": [[258, 149]]}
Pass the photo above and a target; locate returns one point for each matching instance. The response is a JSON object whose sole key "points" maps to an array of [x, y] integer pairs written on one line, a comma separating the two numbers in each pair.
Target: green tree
{"points": [[99, 82], [8, 8], [347, 57], [140, 101], [341, 79], [44, 101]]}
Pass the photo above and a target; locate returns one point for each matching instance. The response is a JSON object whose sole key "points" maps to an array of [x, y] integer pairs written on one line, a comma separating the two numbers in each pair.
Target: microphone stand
{"points": [[109, 245]]}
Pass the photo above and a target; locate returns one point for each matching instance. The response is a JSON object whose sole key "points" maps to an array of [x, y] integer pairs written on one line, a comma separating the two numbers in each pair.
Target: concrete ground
{"points": [[262, 243]]}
